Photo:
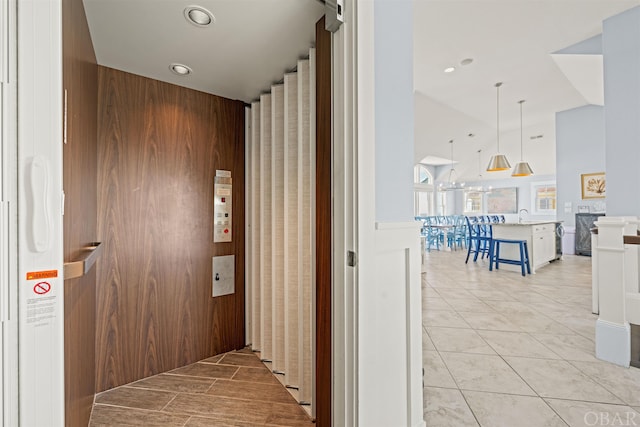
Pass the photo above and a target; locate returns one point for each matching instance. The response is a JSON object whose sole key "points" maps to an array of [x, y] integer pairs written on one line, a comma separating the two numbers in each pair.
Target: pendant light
{"points": [[522, 168], [451, 183], [499, 161], [480, 188]]}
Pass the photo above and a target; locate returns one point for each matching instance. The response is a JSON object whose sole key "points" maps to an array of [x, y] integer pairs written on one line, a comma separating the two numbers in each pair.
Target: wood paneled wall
{"points": [[80, 78], [159, 148]]}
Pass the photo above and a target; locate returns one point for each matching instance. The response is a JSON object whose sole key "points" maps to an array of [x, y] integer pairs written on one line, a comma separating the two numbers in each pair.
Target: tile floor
{"points": [[234, 389], [500, 349]]}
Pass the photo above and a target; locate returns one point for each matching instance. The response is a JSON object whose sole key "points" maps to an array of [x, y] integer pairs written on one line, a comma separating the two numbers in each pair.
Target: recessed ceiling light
{"points": [[198, 16], [449, 69], [180, 69], [466, 61]]}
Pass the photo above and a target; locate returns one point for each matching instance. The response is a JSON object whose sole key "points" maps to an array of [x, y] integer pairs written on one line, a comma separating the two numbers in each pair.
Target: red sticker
{"points": [[42, 288]]}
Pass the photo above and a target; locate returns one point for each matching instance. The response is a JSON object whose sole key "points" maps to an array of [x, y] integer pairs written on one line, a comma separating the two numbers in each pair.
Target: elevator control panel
{"points": [[223, 282], [222, 207]]}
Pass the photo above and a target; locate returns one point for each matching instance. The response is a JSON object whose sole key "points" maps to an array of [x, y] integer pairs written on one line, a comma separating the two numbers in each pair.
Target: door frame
{"points": [[39, 179], [8, 216], [348, 197]]}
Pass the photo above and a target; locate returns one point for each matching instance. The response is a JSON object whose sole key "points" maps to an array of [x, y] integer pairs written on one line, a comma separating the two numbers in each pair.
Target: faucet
{"points": [[520, 212]]}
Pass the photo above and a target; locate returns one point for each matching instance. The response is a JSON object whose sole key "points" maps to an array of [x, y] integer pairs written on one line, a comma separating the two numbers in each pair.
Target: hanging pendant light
{"points": [[451, 183], [480, 188], [499, 161], [522, 168]]}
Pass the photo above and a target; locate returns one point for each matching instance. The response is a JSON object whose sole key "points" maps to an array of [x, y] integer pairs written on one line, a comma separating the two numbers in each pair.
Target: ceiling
{"points": [[250, 46], [510, 41], [253, 42]]}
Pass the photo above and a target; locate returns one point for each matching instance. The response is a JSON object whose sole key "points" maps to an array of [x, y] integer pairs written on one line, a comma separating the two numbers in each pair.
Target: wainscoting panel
{"points": [[159, 148], [392, 309]]}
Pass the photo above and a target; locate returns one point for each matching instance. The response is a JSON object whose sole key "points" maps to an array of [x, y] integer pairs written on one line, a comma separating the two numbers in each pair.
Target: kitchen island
{"points": [[541, 241]]}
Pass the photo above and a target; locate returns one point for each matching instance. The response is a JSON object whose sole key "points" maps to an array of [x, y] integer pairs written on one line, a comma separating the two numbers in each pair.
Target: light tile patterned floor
{"points": [[234, 389], [505, 350]]}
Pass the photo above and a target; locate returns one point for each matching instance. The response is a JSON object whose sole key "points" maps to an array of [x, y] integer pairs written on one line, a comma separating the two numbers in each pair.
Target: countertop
{"points": [[549, 221]]}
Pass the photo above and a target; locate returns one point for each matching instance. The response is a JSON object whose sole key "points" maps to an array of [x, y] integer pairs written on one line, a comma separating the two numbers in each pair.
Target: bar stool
{"points": [[479, 237], [494, 254]]}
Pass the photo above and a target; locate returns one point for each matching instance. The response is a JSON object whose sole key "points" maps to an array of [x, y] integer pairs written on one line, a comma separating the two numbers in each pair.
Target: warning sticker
{"points": [[39, 275], [41, 310]]}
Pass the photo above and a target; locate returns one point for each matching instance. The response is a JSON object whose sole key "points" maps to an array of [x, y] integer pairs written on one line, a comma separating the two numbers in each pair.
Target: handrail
{"points": [[82, 266], [631, 240]]}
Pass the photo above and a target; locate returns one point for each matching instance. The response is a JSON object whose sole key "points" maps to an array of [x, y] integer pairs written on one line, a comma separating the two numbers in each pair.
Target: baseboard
{"points": [[613, 342]]}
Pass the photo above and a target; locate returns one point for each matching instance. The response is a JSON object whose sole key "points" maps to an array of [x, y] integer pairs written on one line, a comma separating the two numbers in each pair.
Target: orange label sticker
{"points": [[37, 275]]}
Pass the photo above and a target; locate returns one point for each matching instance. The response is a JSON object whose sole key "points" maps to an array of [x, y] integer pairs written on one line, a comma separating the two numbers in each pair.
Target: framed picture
{"points": [[593, 185], [503, 200]]}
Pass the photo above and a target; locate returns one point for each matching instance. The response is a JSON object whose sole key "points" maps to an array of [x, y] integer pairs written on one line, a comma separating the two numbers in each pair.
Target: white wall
{"points": [[580, 148], [393, 62], [621, 48], [389, 326]]}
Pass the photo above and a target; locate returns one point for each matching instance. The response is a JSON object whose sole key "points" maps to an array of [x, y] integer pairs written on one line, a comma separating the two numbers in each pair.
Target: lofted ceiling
{"points": [[510, 41], [251, 44]]}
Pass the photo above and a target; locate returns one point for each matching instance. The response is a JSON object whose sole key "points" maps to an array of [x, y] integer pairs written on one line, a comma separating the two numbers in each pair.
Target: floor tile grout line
{"points": [[169, 402], [544, 345], [470, 408], [235, 373], [595, 380], [211, 386], [133, 408], [564, 399]]}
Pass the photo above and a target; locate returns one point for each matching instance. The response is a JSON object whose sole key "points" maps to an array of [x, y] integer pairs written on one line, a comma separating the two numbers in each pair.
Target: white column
{"points": [[389, 314], [613, 333]]}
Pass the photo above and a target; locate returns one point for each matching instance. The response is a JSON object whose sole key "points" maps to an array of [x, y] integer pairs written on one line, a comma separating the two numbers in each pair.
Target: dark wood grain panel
{"points": [[159, 148], [80, 79], [323, 226]]}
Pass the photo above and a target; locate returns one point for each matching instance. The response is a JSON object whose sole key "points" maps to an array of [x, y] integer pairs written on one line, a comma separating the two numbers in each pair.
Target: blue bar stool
{"points": [[479, 237], [494, 254]]}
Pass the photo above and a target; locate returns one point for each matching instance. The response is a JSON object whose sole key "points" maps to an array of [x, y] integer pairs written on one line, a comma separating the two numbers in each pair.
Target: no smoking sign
{"points": [[42, 288]]}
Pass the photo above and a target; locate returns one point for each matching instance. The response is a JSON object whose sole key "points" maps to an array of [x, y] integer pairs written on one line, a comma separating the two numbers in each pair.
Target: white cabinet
{"points": [[544, 244], [540, 237]]}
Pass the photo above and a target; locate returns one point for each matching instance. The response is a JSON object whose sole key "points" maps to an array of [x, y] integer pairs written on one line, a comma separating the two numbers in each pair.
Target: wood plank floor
{"points": [[233, 389]]}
